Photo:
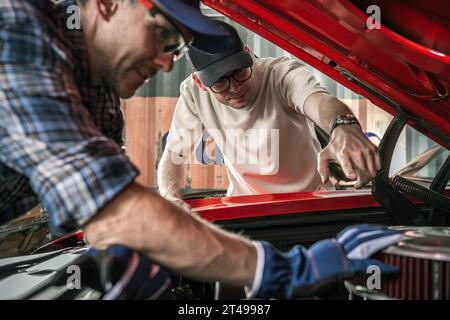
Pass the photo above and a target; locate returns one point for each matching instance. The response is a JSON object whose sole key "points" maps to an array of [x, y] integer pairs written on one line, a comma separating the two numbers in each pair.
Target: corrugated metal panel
{"points": [[167, 84]]}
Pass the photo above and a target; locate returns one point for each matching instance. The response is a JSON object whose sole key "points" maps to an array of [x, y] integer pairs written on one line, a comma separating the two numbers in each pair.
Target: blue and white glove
{"points": [[126, 274], [302, 272]]}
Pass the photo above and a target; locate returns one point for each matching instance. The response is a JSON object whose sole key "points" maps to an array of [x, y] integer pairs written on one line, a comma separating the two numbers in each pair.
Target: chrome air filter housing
{"points": [[423, 258]]}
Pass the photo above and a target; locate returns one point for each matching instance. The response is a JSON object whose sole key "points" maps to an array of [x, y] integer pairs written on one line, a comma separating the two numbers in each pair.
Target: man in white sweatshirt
{"points": [[261, 113]]}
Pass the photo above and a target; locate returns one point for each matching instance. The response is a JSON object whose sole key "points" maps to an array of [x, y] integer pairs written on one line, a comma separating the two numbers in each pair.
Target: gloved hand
{"points": [[302, 272], [130, 275]]}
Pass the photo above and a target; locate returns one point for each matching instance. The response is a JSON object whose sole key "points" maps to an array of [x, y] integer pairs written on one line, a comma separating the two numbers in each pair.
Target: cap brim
{"points": [[192, 18], [209, 75]]}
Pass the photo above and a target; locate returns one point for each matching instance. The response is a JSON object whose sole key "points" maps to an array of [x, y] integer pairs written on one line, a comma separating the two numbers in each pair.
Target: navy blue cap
{"points": [[187, 12]]}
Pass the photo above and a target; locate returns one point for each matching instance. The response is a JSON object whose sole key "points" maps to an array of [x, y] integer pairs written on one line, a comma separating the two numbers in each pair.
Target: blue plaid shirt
{"points": [[59, 133]]}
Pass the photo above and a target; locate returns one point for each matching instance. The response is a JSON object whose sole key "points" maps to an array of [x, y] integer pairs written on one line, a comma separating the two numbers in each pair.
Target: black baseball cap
{"points": [[230, 56]]}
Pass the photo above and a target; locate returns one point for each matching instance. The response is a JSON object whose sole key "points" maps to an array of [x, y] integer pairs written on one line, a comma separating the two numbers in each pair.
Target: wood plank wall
{"points": [[147, 120]]}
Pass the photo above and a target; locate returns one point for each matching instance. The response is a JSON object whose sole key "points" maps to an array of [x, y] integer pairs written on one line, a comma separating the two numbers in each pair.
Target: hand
{"points": [[302, 272], [130, 275], [356, 154]]}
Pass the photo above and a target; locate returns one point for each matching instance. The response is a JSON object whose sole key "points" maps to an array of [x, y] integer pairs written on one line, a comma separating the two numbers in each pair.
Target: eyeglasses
{"points": [[223, 84], [168, 37]]}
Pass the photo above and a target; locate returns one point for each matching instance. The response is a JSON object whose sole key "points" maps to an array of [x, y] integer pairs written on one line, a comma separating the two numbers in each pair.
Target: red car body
{"points": [[403, 67]]}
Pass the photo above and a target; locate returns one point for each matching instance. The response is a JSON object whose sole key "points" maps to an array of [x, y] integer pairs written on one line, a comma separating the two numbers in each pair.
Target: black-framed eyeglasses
{"points": [[223, 84], [168, 37]]}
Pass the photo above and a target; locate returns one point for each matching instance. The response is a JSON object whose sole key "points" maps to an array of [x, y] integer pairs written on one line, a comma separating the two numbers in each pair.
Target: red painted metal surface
{"points": [[241, 207], [230, 208], [403, 61], [69, 240]]}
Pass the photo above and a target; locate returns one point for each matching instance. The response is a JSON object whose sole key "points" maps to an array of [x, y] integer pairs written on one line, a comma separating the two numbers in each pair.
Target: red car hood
{"points": [[402, 67], [251, 206]]}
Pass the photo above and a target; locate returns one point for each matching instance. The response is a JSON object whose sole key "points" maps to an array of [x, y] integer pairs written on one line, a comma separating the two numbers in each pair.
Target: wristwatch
{"points": [[345, 119]]}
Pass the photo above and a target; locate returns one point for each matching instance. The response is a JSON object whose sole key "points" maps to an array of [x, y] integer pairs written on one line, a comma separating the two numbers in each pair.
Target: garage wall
{"points": [[148, 120]]}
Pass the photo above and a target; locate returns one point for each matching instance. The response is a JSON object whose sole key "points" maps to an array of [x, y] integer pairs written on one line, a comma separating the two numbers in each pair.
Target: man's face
{"points": [[124, 49], [239, 93]]}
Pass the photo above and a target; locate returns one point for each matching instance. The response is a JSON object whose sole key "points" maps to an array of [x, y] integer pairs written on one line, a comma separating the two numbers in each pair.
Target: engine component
{"points": [[424, 262]]}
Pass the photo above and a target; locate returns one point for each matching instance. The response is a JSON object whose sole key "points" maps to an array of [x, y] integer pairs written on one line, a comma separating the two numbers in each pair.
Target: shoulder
{"points": [[13, 11], [189, 94], [277, 63], [276, 69], [41, 19], [194, 98], [188, 85], [190, 91], [28, 12], [280, 66], [36, 33]]}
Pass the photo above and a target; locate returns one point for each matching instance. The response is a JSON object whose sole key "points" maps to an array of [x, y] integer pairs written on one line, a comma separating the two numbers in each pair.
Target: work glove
{"points": [[304, 272], [126, 274]]}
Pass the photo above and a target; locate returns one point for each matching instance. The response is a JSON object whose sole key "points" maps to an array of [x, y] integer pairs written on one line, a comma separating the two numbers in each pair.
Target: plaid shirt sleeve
{"points": [[48, 135]]}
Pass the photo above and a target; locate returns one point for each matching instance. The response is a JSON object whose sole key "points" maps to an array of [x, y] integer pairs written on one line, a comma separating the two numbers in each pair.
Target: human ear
{"points": [[250, 52]]}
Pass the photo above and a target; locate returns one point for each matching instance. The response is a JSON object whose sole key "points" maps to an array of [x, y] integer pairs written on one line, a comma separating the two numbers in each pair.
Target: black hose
{"points": [[429, 196]]}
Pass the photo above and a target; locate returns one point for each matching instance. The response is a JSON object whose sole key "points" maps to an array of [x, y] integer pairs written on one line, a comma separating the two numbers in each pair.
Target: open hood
{"points": [[403, 66]]}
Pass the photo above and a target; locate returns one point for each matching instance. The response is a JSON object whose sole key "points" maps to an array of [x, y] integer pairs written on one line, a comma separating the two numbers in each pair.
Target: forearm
{"points": [[323, 109], [169, 174], [189, 246], [348, 146]]}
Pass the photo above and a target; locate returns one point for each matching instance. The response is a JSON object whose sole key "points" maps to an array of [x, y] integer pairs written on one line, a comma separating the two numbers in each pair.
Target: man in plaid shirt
{"points": [[60, 131], [61, 128]]}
